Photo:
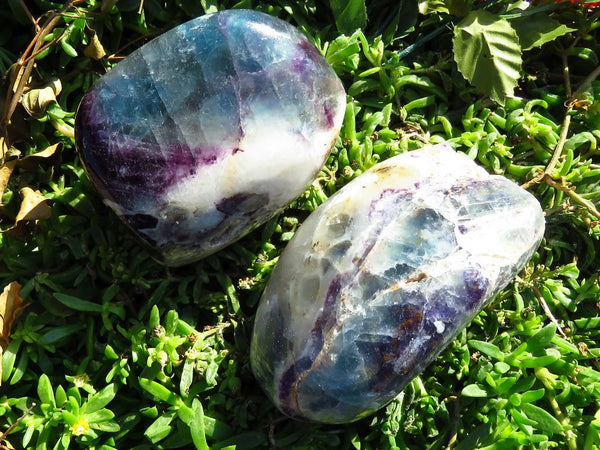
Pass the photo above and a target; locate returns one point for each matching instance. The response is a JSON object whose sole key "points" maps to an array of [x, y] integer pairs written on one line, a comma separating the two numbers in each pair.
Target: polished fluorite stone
{"points": [[209, 130], [382, 276]]}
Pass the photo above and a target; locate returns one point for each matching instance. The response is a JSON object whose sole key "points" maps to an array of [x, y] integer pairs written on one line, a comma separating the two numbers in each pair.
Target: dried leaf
{"points": [[35, 101], [30, 162], [3, 148], [33, 207], [95, 50], [11, 305], [6, 170]]}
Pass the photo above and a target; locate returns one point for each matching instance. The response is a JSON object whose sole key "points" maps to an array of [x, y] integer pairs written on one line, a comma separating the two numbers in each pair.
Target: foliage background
{"points": [[115, 351]]}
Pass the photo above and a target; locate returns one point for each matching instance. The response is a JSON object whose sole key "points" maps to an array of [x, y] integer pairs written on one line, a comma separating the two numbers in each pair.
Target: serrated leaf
{"points": [[537, 30], [488, 54], [350, 15]]}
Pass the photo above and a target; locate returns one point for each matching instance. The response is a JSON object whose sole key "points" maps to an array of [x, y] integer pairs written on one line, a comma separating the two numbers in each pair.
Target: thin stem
{"points": [[564, 132], [29, 15], [455, 420], [566, 73], [587, 82], [17, 422], [547, 311], [561, 142], [574, 196], [424, 40], [25, 65], [544, 375]]}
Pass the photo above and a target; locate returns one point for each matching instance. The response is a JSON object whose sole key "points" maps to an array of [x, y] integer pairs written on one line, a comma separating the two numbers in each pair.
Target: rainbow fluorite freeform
{"points": [[382, 276], [209, 130]]}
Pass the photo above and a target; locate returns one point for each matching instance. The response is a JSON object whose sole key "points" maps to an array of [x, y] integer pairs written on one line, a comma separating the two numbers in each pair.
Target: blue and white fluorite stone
{"points": [[209, 130], [382, 276]]}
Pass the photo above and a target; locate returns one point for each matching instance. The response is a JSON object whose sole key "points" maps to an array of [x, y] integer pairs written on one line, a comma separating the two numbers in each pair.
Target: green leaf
{"points": [[540, 341], [59, 333], [154, 320], [171, 322], [187, 376], [474, 390], [488, 349], [160, 428], [101, 415], [108, 426], [8, 359], [404, 19], [545, 421], [60, 396], [100, 399], [159, 391], [532, 396], [343, 53], [488, 54], [350, 15], [197, 426], [531, 362], [476, 437], [227, 285], [77, 304], [45, 392], [537, 30]]}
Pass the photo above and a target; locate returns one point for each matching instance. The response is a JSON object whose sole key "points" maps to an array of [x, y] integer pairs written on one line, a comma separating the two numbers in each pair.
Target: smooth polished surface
{"points": [[382, 276], [209, 130]]}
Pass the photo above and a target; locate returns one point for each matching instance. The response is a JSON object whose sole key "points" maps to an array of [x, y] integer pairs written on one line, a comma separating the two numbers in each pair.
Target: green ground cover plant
{"points": [[102, 347]]}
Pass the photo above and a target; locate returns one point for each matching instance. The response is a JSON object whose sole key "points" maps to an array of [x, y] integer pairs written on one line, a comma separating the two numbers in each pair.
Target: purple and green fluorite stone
{"points": [[382, 276], [209, 130]]}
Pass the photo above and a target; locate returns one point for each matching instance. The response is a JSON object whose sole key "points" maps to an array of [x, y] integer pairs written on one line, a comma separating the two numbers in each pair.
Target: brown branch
{"points": [[574, 196], [24, 66], [570, 105], [29, 15], [17, 422]]}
